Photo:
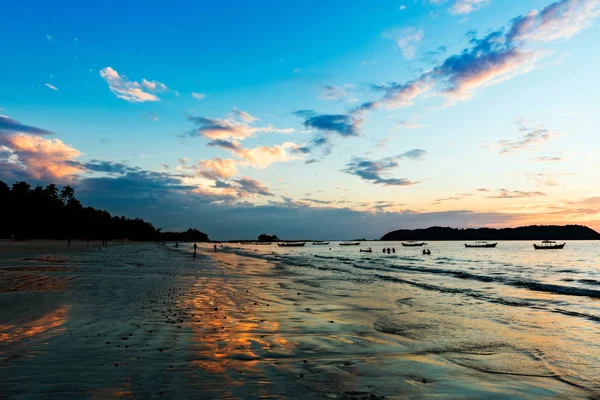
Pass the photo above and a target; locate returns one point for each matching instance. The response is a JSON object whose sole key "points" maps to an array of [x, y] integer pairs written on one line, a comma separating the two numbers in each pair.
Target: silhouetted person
{"points": [[215, 248], [195, 248], [384, 250], [176, 245], [393, 250], [388, 250]]}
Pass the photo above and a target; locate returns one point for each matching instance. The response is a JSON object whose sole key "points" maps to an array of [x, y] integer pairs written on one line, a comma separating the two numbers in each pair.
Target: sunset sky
{"points": [[308, 119]]}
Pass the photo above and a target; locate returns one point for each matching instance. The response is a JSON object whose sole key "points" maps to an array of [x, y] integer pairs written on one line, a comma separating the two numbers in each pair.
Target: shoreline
{"points": [[220, 324]]}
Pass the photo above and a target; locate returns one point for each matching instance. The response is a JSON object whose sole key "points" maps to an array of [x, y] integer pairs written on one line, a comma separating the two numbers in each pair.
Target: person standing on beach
{"points": [[215, 248], [195, 248]]}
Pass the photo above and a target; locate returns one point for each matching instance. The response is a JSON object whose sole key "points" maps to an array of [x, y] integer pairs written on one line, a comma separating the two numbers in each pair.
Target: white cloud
{"points": [[198, 96], [467, 6], [49, 86], [131, 91], [407, 40]]}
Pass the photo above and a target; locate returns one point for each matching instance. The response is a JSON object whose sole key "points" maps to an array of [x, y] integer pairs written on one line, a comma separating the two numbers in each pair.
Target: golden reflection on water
{"points": [[12, 333], [231, 338]]}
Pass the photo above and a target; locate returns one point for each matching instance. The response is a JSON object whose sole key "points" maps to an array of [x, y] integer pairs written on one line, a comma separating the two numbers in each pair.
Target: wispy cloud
{"points": [[49, 86], [409, 125], [530, 136], [467, 6], [548, 159], [377, 171], [338, 93], [496, 57], [515, 194], [406, 39], [198, 96], [131, 91], [151, 116], [244, 116]]}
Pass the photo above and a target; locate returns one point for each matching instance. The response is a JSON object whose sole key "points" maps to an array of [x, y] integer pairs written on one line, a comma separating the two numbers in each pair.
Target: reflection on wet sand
{"points": [[55, 319], [147, 322]]}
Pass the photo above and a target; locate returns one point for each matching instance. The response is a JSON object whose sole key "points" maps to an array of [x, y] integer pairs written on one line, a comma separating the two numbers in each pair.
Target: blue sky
{"points": [[308, 119]]}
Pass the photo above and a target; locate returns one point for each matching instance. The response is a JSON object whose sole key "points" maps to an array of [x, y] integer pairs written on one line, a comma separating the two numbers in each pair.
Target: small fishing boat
{"points": [[481, 245], [291, 244], [366, 250], [548, 245], [320, 243], [412, 243], [350, 244], [262, 243]]}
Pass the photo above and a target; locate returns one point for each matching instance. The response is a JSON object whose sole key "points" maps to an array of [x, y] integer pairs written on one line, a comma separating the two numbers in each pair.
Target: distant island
{"points": [[532, 232], [50, 213]]}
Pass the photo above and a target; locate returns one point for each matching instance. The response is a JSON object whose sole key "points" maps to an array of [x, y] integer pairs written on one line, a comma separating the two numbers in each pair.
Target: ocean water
{"points": [[506, 310]]}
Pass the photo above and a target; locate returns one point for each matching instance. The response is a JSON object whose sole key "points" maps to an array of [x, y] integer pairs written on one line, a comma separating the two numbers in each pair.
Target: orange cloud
{"points": [[43, 158]]}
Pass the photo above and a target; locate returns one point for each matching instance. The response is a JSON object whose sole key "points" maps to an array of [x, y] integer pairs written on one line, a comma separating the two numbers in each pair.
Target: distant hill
{"points": [[533, 232]]}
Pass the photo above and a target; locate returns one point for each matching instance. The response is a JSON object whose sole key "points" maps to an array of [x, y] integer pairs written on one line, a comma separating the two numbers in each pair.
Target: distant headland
{"points": [[532, 232]]}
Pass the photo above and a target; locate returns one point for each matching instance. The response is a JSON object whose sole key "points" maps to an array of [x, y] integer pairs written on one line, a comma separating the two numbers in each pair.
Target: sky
{"points": [[324, 120]]}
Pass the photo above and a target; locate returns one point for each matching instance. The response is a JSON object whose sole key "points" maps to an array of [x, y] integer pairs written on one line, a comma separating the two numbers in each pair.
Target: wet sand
{"points": [[147, 321]]}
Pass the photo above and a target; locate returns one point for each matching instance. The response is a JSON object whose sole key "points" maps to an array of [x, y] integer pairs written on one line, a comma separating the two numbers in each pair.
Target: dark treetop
{"points": [[50, 213], [534, 232]]}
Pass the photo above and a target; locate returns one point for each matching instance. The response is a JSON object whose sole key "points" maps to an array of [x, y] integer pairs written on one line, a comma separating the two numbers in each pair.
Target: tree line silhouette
{"points": [[533, 232], [50, 213]]}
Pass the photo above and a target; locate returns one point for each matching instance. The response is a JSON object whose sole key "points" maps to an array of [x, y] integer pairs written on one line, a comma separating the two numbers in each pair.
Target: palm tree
{"points": [[66, 194], [51, 191]]}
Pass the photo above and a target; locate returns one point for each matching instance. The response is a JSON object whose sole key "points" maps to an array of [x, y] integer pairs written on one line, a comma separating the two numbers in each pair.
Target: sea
{"points": [[507, 310]]}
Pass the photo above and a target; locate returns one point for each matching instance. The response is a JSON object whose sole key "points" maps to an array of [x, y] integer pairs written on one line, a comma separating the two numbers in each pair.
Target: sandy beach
{"points": [[143, 321]]}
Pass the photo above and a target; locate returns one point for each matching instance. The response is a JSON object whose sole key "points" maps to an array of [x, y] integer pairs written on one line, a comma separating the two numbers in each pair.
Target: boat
{"points": [[412, 243], [350, 244], [548, 245], [366, 250], [262, 243], [481, 244], [320, 243], [291, 244]]}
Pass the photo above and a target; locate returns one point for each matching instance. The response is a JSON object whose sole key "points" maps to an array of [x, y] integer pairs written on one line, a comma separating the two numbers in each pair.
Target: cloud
{"points": [[398, 95], [516, 194], [131, 91], [151, 116], [337, 93], [249, 187], [34, 157], [49, 86], [198, 96], [530, 137], [548, 159], [258, 157], [496, 57], [8, 125], [560, 20], [546, 179], [102, 166], [376, 171], [409, 125], [341, 124], [217, 168], [229, 128], [406, 39], [467, 6], [328, 125], [244, 116]]}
